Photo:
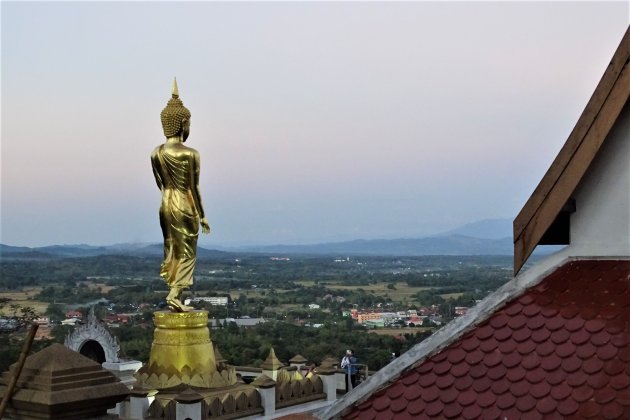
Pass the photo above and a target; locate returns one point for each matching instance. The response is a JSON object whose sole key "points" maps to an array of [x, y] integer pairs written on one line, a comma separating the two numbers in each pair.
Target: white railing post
{"points": [[267, 389]]}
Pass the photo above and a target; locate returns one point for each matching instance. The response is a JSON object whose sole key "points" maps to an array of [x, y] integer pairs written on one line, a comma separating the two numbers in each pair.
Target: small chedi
{"points": [[182, 352]]}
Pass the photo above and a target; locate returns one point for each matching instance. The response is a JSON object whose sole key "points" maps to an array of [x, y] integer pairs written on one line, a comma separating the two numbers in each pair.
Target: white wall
{"points": [[601, 224]]}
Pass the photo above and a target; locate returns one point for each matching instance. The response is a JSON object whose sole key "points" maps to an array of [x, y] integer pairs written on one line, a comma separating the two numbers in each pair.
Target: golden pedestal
{"points": [[182, 353]]}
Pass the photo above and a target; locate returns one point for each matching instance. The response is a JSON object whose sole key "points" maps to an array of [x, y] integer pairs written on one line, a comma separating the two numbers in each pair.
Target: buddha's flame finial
{"points": [[175, 90]]}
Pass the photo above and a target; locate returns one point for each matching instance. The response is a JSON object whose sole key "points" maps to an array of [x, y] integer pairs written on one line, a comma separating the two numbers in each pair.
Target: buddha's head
{"points": [[175, 117]]}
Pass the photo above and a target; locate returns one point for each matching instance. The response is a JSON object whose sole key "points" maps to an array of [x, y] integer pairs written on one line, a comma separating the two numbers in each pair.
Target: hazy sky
{"points": [[315, 121]]}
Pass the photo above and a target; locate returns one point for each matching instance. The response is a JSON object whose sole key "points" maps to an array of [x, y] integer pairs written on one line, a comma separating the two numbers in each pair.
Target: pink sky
{"points": [[315, 121]]}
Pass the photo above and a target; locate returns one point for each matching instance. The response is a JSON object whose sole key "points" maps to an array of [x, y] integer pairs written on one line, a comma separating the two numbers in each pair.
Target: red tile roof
{"points": [[562, 348]]}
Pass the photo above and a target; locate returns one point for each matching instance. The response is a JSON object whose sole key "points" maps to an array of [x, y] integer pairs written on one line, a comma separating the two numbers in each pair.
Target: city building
{"points": [[212, 300]]}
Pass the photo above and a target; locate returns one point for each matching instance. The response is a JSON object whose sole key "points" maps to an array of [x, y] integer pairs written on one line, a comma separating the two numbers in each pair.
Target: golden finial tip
{"points": [[175, 89]]}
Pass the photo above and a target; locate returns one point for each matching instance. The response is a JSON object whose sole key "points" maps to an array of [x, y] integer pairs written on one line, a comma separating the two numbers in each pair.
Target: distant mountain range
{"points": [[485, 237], [437, 245]]}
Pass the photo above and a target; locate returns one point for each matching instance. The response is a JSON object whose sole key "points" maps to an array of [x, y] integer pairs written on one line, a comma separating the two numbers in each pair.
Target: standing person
{"points": [[349, 363], [176, 170]]}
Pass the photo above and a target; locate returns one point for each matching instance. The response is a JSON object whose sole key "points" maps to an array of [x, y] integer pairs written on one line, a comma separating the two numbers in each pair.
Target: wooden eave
{"points": [[575, 157]]}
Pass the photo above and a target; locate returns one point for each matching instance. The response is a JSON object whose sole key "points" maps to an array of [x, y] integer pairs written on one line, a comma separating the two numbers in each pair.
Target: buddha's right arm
{"points": [[154, 165]]}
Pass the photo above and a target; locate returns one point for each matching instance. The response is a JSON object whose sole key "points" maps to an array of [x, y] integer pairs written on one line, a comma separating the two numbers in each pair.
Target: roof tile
{"points": [[442, 367], [549, 311], [426, 380], [624, 355], [541, 335], [551, 363], [449, 395], [600, 338], [507, 347], [482, 384], [478, 371], [594, 325], [604, 395], [470, 343], [574, 324], [576, 379], [569, 311], [430, 394], [555, 378], [511, 360], [582, 394], [607, 352], [452, 410], [416, 407], [522, 335], [567, 407], [395, 390], [463, 383], [381, 403], [514, 309], [526, 347], [589, 409], [516, 374], [474, 357], [471, 412], [546, 405], [503, 334], [410, 378], [456, 356], [598, 380], [486, 399], [506, 401], [585, 351], [499, 387], [531, 310], [535, 322], [398, 405], [460, 369], [520, 388], [615, 326], [434, 409], [560, 336], [614, 367], [565, 350], [561, 391], [466, 398], [525, 403], [588, 312], [621, 340], [592, 366], [489, 345], [612, 411], [620, 382], [368, 414], [540, 390], [535, 375], [445, 381]]}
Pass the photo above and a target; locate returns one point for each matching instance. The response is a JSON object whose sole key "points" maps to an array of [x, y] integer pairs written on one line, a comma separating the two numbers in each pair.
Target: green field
{"points": [[401, 292], [25, 297]]}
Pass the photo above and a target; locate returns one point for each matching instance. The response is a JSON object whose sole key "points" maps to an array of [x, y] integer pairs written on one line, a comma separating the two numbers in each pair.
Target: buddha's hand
{"points": [[205, 227]]}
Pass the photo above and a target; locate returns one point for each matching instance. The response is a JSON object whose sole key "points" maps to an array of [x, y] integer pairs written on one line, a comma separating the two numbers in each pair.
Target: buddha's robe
{"points": [[176, 170]]}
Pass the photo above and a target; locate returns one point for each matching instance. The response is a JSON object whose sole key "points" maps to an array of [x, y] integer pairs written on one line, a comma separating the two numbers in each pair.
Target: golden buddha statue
{"points": [[176, 170]]}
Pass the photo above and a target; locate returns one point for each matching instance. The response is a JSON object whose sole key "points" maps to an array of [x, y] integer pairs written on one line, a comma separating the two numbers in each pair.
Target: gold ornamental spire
{"points": [[174, 113], [175, 89]]}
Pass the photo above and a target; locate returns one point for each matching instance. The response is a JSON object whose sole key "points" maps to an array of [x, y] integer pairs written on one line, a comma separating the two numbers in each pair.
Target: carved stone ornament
{"points": [[94, 330]]}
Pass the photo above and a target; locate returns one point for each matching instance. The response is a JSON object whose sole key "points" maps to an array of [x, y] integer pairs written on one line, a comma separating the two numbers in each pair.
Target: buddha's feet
{"points": [[176, 305]]}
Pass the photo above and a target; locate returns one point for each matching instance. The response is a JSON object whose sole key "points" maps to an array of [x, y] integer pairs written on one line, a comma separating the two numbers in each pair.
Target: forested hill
{"points": [[75, 251]]}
